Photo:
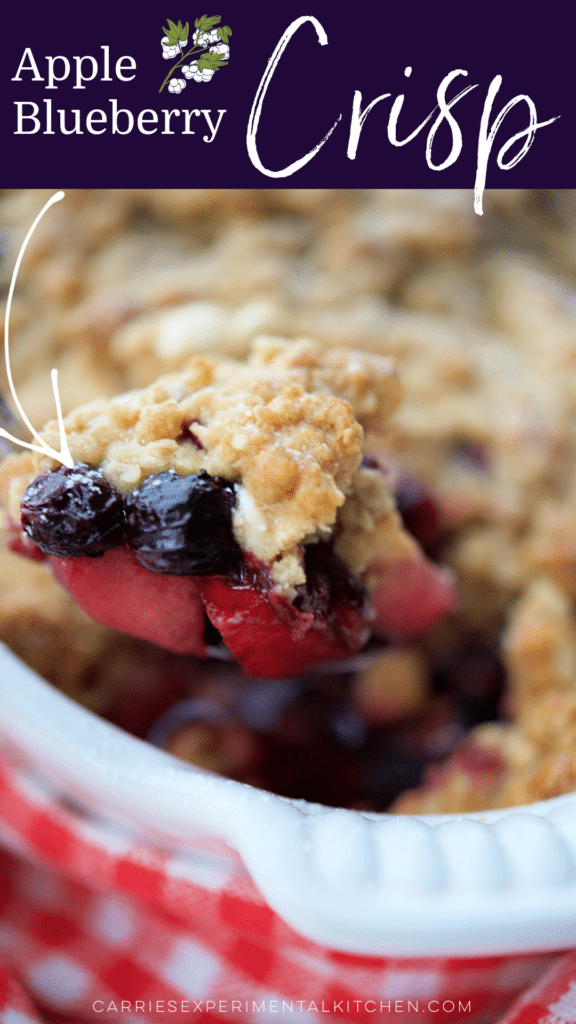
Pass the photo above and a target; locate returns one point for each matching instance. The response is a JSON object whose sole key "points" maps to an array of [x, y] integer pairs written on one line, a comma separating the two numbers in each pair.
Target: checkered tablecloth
{"points": [[96, 926]]}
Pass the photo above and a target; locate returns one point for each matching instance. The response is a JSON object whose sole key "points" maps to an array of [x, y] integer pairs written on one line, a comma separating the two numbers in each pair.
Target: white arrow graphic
{"points": [[63, 455]]}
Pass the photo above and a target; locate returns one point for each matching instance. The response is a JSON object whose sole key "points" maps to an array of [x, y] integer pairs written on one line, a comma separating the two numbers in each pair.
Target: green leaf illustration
{"points": [[224, 33], [210, 60], [172, 33], [176, 33], [205, 23]]}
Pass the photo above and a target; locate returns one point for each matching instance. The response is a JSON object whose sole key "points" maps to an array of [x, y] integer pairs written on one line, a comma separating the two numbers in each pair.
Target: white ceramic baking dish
{"points": [[453, 885]]}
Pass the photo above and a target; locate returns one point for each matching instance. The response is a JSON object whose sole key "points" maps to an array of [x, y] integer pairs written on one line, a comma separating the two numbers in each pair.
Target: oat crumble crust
{"points": [[286, 426]]}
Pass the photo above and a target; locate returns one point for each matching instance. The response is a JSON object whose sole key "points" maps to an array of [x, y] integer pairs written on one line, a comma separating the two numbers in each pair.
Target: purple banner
{"points": [[167, 95]]}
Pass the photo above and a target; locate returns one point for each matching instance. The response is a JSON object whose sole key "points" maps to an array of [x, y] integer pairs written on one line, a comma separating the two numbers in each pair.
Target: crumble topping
{"points": [[286, 427]]}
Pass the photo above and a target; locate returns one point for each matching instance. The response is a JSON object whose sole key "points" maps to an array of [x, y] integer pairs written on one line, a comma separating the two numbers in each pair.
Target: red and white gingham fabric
{"points": [[98, 927]]}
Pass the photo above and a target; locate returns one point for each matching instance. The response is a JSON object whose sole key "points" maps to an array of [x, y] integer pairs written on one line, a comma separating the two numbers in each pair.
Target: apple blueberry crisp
{"points": [[340, 568], [236, 491]]}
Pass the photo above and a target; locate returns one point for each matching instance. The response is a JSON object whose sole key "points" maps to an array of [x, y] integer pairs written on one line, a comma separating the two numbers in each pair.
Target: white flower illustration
{"points": [[223, 49], [191, 72], [168, 51], [213, 40]]}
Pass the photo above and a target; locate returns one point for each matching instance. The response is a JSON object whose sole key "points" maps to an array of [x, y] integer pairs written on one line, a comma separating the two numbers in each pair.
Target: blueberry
{"points": [[73, 512], [369, 462], [471, 456], [419, 511], [328, 582], [182, 525]]}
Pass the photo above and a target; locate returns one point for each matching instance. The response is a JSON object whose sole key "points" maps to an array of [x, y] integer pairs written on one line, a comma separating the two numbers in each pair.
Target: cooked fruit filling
{"points": [[328, 582], [182, 525], [249, 476], [72, 512]]}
